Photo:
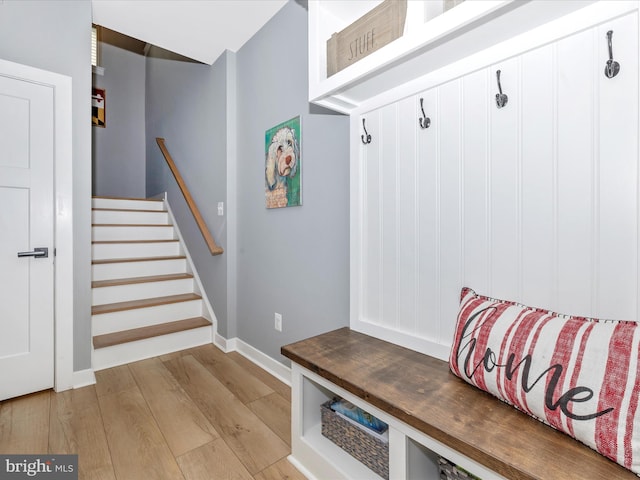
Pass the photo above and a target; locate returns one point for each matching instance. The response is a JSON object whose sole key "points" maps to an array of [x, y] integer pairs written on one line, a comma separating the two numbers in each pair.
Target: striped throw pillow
{"points": [[578, 375]]}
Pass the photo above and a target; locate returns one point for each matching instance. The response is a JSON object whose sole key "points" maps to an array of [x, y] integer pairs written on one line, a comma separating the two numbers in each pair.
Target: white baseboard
{"points": [[83, 378], [264, 361], [275, 368], [293, 461], [223, 344]]}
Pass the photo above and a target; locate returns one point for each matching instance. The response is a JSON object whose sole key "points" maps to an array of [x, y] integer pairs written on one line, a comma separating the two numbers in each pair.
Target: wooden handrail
{"points": [[211, 243]]}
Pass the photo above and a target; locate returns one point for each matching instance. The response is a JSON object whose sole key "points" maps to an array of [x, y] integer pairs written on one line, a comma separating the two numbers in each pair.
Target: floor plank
{"points": [[282, 470], [138, 447], [170, 356], [114, 380], [275, 384], [238, 380], [252, 441], [214, 460], [76, 428], [24, 424], [275, 412], [182, 423]]}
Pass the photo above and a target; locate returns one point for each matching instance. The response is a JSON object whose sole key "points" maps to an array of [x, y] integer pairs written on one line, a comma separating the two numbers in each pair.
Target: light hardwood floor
{"points": [[195, 414]]}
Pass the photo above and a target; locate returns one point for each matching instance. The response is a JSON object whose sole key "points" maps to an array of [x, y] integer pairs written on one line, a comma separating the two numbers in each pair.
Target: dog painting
{"points": [[282, 165]]}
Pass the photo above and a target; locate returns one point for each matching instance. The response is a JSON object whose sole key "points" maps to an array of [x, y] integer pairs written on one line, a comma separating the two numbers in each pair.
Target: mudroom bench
{"points": [[430, 413]]}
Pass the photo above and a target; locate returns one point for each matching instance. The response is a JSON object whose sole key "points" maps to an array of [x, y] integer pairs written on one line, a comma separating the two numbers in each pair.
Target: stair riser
{"points": [[132, 233], [113, 271], [126, 204], [104, 251], [143, 317], [132, 217], [150, 347], [139, 291]]}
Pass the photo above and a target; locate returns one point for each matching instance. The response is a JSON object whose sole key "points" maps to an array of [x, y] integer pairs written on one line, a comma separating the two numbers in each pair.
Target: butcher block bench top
{"points": [[421, 391]]}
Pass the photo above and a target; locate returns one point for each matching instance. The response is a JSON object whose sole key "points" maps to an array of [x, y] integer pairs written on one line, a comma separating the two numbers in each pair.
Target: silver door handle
{"points": [[37, 252]]}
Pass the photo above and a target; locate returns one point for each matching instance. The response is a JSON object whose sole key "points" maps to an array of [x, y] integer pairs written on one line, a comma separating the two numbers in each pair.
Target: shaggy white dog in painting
{"points": [[282, 158]]}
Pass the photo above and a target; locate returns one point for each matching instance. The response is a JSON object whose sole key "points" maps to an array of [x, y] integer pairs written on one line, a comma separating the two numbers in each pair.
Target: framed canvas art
{"points": [[282, 165]]}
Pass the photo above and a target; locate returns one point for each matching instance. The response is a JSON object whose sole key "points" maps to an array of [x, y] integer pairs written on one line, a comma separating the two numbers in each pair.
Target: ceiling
{"points": [[198, 29]]}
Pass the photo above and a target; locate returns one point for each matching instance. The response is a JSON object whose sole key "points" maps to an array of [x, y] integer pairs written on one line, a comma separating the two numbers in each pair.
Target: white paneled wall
{"points": [[535, 202]]}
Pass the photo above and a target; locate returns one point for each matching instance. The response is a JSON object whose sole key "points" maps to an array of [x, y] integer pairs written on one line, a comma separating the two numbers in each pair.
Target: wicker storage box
{"points": [[367, 449], [450, 471]]}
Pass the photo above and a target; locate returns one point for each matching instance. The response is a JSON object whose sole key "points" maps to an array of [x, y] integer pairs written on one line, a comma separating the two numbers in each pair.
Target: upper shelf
{"points": [[433, 38]]}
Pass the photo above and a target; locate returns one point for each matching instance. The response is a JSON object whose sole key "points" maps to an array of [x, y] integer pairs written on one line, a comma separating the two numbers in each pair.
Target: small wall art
{"points": [[283, 185], [98, 99]]}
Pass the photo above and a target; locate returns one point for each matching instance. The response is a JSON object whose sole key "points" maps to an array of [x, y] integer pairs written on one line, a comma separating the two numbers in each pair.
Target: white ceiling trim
{"points": [[198, 29]]}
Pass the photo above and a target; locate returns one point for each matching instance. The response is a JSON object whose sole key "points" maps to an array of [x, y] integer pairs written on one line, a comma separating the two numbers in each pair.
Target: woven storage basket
{"points": [[370, 451], [450, 471]]}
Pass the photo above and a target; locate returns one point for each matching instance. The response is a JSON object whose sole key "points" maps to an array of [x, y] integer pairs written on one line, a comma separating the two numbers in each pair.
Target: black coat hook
{"points": [[366, 140], [501, 98], [424, 121], [612, 68]]}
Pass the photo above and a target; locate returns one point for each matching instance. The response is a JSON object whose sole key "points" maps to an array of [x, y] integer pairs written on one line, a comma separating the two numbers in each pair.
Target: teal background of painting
{"points": [[294, 190]]}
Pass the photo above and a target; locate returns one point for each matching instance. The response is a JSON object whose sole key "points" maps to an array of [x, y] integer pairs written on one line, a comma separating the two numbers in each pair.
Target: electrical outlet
{"points": [[277, 322], [220, 209]]}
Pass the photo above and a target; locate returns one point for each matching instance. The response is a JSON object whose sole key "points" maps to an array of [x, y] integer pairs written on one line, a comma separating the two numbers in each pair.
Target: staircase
{"points": [[145, 299]]}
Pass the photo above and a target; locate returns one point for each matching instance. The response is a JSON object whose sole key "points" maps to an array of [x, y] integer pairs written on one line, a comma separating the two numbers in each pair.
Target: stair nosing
{"points": [[132, 225], [142, 333], [108, 261], [102, 209], [114, 242], [144, 303], [138, 280], [129, 198]]}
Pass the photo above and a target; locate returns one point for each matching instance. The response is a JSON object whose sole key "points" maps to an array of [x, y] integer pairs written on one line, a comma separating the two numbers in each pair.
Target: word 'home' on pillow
{"points": [[578, 375]]}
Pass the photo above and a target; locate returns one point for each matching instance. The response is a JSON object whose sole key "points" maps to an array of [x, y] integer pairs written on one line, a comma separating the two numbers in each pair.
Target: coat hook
{"points": [[612, 68], [366, 140], [501, 98], [424, 121]]}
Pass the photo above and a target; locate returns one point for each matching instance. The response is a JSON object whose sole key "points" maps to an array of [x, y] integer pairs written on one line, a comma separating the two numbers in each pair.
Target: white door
{"points": [[26, 223]]}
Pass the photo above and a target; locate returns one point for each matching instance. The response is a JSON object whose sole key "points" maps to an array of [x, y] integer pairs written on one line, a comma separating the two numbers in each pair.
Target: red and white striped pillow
{"points": [[579, 375]]}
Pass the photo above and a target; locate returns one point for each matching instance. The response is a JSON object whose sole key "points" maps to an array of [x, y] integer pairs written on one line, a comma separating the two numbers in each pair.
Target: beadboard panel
{"points": [[538, 164], [407, 219], [390, 173], [428, 194], [617, 176], [535, 202], [372, 228]]}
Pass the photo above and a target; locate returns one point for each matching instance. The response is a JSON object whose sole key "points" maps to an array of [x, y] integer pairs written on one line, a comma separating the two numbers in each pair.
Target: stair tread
{"points": [[136, 280], [103, 209], [146, 302], [132, 225], [136, 259], [117, 338], [129, 198], [115, 242]]}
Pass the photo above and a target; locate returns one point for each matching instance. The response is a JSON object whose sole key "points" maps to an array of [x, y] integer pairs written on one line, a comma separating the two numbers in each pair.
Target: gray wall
{"points": [[55, 35], [294, 260], [186, 105], [119, 148]]}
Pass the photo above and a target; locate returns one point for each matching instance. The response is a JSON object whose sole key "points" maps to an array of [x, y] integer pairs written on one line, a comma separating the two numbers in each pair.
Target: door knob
{"points": [[37, 252]]}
